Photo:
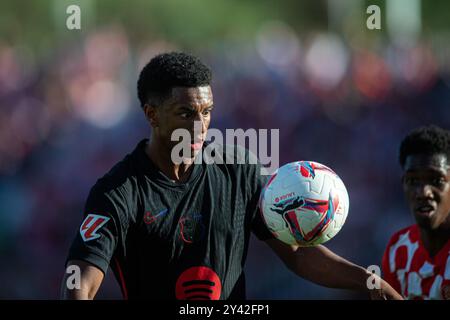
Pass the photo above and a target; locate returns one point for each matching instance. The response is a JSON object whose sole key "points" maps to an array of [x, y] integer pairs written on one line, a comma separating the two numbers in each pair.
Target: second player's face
{"points": [[187, 108], [426, 183]]}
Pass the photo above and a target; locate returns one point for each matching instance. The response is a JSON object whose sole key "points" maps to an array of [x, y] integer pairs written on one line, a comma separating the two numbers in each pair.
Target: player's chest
{"points": [[176, 219]]}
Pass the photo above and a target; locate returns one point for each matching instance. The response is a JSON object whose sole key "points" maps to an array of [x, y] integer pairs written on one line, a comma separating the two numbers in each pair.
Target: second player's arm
{"points": [[323, 267]]}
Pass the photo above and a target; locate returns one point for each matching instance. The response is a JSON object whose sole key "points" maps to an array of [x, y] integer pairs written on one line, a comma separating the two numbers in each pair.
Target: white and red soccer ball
{"points": [[304, 203]]}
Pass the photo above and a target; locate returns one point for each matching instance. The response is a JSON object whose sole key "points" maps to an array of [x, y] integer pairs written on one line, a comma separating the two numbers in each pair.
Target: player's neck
{"points": [[434, 240], [176, 173]]}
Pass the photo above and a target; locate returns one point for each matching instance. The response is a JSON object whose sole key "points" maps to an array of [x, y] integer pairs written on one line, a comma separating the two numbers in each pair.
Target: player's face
{"points": [[187, 108], [426, 183]]}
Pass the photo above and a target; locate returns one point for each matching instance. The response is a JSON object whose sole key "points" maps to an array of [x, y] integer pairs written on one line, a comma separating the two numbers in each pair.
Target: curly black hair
{"points": [[427, 140], [168, 70]]}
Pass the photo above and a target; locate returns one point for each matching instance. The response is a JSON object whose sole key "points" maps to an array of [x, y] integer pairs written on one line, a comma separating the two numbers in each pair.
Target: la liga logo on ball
{"points": [[304, 203]]}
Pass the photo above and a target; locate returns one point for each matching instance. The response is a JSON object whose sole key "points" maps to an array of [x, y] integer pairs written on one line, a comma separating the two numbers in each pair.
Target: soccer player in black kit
{"points": [[181, 231]]}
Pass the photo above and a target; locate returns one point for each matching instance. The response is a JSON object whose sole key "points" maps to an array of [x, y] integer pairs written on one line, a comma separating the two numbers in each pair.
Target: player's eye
{"points": [[439, 182], [410, 181], [186, 115]]}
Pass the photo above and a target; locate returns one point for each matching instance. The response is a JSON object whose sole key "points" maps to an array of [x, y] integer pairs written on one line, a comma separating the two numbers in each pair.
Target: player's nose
{"points": [[423, 191], [199, 126]]}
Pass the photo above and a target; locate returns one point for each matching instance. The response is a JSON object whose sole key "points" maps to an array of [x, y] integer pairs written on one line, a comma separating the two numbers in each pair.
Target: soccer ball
{"points": [[304, 203]]}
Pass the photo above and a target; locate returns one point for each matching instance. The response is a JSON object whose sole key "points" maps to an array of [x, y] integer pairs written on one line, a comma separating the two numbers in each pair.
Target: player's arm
{"points": [[99, 238], [323, 267], [90, 280]]}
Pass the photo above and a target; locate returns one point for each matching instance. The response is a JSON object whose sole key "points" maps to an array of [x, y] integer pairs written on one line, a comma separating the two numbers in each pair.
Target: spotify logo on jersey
{"points": [[198, 283]]}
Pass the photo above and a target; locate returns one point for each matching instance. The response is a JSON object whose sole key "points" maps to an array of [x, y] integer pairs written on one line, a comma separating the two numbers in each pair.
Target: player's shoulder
{"points": [[409, 233], [118, 179]]}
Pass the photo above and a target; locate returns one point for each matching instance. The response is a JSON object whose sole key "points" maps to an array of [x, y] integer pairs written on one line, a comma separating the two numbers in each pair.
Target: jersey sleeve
{"points": [[102, 231], [256, 181], [389, 275]]}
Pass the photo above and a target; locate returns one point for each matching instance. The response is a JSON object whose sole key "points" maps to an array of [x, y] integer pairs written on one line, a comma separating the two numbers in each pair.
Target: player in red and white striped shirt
{"points": [[417, 259]]}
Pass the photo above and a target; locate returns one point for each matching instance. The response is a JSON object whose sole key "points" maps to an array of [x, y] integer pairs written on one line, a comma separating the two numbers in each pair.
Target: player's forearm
{"points": [[87, 282], [76, 294], [83, 293], [321, 266]]}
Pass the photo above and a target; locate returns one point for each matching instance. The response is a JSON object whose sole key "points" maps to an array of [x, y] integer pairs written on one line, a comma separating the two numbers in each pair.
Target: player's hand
{"points": [[386, 292]]}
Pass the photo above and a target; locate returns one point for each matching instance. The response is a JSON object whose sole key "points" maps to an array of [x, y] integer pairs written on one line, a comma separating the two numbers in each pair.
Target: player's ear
{"points": [[151, 115]]}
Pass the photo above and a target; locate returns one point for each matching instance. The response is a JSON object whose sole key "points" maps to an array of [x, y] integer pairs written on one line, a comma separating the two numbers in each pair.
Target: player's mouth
{"points": [[425, 210], [196, 144]]}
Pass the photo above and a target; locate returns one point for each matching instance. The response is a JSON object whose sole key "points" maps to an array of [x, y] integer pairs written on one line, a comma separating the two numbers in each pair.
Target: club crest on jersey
{"points": [[91, 224], [192, 228]]}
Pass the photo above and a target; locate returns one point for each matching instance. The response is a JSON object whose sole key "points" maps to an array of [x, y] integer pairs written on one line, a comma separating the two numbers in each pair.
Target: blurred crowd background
{"points": [[341, 94]]}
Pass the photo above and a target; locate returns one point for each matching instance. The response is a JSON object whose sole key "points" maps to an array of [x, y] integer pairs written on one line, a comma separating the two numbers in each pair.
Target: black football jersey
{"points": [[166, 240]]}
